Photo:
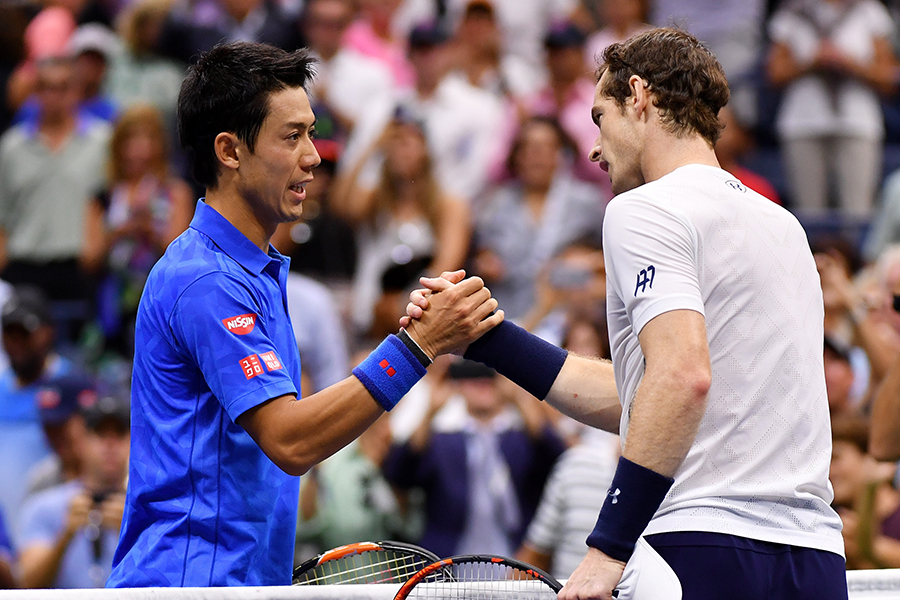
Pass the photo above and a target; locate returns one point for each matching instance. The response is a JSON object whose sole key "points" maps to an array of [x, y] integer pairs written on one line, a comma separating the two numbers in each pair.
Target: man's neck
{"points": [[55, 130], [664, 152], [238, 212]]}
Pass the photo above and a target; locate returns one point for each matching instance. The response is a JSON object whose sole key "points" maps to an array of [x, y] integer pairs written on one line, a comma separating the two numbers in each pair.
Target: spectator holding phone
{"points": [[69, 532], [534, 215]]}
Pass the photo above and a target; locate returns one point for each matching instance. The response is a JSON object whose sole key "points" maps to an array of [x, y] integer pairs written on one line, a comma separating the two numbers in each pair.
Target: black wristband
{"points": [[414, 348], [522, 357], [633, 498]]}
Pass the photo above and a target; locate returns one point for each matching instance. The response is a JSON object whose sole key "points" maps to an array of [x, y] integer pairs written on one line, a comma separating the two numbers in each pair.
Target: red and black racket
{"points": [[475, 576], [364, 562]]}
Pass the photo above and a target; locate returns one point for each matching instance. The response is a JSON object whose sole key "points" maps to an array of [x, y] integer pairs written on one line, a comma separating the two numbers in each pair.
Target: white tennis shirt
{"points": [[697, 239]]}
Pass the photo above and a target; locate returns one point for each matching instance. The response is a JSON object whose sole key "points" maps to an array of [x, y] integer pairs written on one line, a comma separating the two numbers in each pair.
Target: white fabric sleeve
{"points": [[651, 257]]}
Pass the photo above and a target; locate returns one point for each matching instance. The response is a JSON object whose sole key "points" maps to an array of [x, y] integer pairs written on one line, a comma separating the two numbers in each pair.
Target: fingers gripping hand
{"points": [[455, 317], [418, 299], [594, 579]]}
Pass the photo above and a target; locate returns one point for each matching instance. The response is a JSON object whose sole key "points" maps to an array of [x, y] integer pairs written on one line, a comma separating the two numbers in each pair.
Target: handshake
{"points": [[450, 313]]}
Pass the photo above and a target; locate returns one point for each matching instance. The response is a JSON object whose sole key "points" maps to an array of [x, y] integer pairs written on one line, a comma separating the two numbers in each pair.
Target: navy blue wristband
{"points": [[522, 357], [633, 498], [389, 371]]}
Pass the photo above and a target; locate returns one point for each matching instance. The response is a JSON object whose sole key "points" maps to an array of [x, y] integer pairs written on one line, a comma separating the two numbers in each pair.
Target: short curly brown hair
{"points": [[684, 76]]}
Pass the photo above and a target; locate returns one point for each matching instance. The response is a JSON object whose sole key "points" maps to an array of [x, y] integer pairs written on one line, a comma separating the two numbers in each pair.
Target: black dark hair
{"points": [[228, 89]]}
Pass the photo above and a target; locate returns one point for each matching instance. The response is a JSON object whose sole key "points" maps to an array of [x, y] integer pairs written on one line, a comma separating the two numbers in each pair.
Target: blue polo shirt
{"points": [[205, 505]]}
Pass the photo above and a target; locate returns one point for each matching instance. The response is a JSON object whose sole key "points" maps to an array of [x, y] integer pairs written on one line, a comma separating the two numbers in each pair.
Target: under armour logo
{"points": [[614, 494], [645, 279]]}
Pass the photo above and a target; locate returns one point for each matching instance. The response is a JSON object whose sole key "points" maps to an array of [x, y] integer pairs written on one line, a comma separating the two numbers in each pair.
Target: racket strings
{"points": [[376, 566], [483, 581]]}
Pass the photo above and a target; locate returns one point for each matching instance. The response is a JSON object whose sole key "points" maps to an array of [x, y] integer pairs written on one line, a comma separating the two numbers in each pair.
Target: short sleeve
{"points": [[39, 522], [651, 259], [223, 328]]}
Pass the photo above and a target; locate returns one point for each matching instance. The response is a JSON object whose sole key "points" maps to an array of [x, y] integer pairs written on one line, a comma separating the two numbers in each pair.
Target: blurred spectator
{"points": [[195, 26], [734, 143], [7, 558], [733, 29], [138, 74], [569, 96], [28, 335], [480, 57], [92, 48], [49, 170], [15, 17], [856, 317], [462, 123], [885, 224], [867, 502], [568, 509], [523, 25], [833, 57], [46, 36], [373, 35], [128, 226], [621, 19], [69, 532], [571, 288], [397, 281], [321, 244], [482, 465], [839, 378], [60, 402], [6, 291], [346, 499], [321, 340], [346, 80], [407, 214], [529, 219]]}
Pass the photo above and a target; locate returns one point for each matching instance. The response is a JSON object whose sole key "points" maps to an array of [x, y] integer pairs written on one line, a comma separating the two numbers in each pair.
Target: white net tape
{"points": [[882, 584]]}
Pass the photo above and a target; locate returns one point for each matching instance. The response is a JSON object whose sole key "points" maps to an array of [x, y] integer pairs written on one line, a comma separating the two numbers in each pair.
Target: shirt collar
{"points": [[232, 242]]}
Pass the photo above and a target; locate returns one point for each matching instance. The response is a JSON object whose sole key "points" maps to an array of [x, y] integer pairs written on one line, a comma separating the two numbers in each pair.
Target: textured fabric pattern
{"points": [[206, 507], [697, 239]]}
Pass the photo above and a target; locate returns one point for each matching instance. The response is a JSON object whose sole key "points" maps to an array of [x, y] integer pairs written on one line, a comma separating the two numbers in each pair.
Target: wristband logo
{"points": [[388, 369], [614, 495], [241, 324]]}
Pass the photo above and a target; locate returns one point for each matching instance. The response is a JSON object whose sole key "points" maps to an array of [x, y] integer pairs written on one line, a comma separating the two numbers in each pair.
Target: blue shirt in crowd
{"points": [[86, 561], [205, 506]]}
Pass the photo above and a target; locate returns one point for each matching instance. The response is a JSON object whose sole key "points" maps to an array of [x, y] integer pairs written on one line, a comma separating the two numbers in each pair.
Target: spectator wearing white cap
{"points": [[92, 49]]}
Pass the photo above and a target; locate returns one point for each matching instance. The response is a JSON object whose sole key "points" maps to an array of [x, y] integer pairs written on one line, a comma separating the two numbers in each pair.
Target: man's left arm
{"points": [[665, 416]]}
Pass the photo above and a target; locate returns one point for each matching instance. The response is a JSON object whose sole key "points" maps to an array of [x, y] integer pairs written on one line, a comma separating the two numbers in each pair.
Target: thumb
{"points": [[437, 284], [454, 276]]}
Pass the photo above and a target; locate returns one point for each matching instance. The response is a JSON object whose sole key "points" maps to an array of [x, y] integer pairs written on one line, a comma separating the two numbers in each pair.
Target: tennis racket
{"points": [[364, 562], [475, 576]]}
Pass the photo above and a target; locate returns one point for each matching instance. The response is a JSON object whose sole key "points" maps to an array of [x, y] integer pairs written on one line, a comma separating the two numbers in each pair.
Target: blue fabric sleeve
{"points": [[221, 325]]}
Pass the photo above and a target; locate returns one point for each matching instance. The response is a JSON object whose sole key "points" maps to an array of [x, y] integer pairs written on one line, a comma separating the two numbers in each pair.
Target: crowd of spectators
{"points": [[453, 134]]}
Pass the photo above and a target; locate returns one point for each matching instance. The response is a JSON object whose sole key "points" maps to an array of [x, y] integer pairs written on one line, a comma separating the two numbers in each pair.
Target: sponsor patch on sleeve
{"points": [[241, 324], [271, 360], [251, 366]]}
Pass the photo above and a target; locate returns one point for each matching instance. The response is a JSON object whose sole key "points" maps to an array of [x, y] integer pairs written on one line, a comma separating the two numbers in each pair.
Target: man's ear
{"points": [[226, 145], [640, 94]]}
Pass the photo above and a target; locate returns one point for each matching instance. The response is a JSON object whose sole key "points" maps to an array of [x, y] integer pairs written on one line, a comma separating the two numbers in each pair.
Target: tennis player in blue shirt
{"points": [[219, 435]]}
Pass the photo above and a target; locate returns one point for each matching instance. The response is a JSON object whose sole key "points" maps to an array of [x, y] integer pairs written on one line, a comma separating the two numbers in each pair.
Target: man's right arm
{"points": [[299, 433], [585, 390]]}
